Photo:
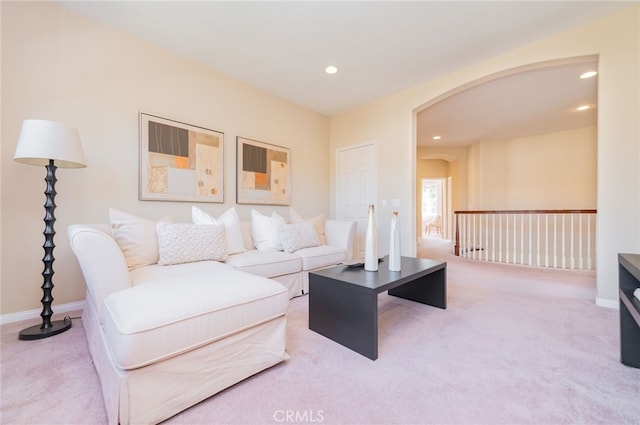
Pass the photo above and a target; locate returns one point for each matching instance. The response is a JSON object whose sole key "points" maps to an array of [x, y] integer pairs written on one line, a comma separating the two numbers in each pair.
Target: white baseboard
{"points": [[607, 303], [35, 313]]}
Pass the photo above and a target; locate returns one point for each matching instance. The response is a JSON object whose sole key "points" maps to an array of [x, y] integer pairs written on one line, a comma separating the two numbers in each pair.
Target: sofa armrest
{"points": [[341, 234], [102, 262]]}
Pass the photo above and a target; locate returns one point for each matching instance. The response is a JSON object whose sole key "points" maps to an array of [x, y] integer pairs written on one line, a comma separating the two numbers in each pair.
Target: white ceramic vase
{"points": [[371, 243], [394, 244]]}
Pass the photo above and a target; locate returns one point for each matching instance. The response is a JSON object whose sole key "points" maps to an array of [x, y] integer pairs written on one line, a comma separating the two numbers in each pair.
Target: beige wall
{"points": [[432, 168], [549, 171], [59, 66], [616, 41]]}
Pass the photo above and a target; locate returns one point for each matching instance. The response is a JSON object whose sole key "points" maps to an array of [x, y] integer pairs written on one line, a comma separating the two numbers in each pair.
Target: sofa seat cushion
{"points": [[174, 309], [321, 256], [266, 263]]}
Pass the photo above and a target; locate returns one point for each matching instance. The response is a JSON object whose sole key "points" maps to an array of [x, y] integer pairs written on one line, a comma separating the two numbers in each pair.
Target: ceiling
{"points": [[522, 104], [379, 48]]}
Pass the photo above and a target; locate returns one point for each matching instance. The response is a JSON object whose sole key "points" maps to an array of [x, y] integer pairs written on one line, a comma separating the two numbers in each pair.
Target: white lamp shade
{"points": [[41, 141]]}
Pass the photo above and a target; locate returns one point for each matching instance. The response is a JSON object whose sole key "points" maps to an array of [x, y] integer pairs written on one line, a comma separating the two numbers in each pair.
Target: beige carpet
{"points": [[516, 345]]}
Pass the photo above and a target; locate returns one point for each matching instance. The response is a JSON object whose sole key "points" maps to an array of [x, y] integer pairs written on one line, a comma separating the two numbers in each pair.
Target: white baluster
{"points": [[486, 236], [589, 242], [473, 229], [555, 241], [546, 240], [481, 238], [466, 235], [462, 234], [580, 262], [522, 239], [493, 237], [538, 241], [515, 239], [460, 224], [564, 259], [572, 234], [506, 249]]}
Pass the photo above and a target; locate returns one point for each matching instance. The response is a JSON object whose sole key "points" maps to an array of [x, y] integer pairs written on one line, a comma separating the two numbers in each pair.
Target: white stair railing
{"points": [[543, 238]]}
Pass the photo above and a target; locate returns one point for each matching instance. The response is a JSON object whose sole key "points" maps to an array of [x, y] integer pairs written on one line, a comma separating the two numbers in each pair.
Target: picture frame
{"points": [[179, 162], [263, 173]]}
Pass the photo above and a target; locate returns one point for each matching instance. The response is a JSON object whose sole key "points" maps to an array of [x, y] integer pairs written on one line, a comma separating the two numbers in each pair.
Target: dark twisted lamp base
{"points": [[38, 332], [48, 328]]}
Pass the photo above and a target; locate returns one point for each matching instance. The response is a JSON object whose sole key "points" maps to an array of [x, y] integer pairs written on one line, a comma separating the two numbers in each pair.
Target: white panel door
{"points": [[356, 182]]}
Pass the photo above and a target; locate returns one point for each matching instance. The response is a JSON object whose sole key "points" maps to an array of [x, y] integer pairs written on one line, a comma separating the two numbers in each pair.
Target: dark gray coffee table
{"points": [[343, 301]]}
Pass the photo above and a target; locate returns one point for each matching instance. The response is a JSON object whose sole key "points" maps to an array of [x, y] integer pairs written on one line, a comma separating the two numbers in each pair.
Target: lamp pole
{"points": [[48, 328]]}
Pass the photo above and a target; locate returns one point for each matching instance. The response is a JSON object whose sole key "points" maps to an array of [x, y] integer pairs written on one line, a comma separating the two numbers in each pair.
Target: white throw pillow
{"points": [[264, 231], [185, 243], [231, 222], [318, 223], [297, 236], [136, 237]]}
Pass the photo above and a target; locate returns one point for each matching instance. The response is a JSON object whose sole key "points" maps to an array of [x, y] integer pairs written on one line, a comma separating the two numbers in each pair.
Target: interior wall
{"points": [[548, 171], [616, 40], [432, 168], [474, 176], [59, 66]]}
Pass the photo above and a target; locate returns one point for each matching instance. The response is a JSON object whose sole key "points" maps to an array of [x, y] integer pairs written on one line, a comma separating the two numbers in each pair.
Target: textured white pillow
{"points": [[297, 236], [136, 237], [264, 231], [231, 221], [184, 243], [318, 223]]}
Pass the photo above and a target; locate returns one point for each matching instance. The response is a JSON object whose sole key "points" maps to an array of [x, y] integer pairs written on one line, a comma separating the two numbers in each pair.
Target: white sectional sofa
{"points": [[167, 329], [292, 269]]}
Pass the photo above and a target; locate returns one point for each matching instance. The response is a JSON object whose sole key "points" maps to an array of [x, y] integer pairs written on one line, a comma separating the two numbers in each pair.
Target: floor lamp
{"points": [[53, 145]]}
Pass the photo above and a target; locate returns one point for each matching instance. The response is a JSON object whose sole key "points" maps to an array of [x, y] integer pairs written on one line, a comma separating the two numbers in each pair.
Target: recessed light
{"points": [[589, 74], [437, 137], [331, 69], [583, 107]]}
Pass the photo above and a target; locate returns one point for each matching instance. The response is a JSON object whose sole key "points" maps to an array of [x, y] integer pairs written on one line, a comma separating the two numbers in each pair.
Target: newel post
{"points": [[456, 248]]}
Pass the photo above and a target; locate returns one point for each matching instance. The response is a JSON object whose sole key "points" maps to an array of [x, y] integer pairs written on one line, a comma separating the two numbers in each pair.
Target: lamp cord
{"points": [[68, 319]]}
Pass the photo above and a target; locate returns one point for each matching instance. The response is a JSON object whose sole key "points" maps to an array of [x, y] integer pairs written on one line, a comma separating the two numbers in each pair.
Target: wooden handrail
{"points": [[526, 212]]}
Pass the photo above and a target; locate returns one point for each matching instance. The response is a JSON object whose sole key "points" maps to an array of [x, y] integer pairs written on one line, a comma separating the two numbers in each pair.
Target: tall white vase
{"points": [[371, 243], [394, 244]]}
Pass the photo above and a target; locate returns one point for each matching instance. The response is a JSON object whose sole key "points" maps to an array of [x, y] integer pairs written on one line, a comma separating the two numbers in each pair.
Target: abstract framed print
{"points": [[264, 173], [180, 162]]}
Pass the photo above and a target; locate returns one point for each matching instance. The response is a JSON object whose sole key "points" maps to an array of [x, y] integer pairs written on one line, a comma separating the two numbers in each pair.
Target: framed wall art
{"points": [[264, 173], [180, 162]]}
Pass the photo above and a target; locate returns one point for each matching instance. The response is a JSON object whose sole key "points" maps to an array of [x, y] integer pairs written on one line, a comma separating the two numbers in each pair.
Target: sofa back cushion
{"points": [[317, 221], [231, 221], [136, 237], [247, 239], [264, 231]]}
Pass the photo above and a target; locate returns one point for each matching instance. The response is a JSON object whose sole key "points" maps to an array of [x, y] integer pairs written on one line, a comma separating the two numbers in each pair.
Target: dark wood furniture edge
{"points": [[625, 261], [632, 304], [628, 282]]}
